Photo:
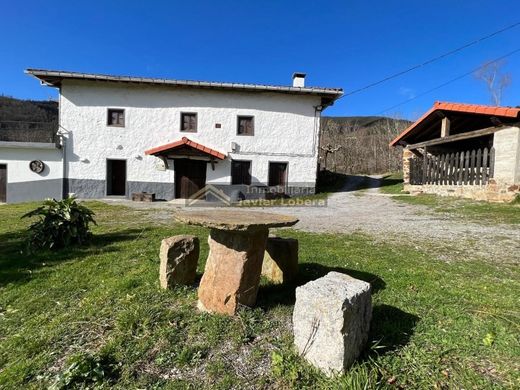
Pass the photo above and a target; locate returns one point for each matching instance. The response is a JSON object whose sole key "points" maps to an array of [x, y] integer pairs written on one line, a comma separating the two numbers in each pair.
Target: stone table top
{"points": [[239, 220]]}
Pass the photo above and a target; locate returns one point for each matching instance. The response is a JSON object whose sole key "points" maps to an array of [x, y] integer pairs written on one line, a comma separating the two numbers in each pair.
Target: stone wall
{"points": [[492, 192]]}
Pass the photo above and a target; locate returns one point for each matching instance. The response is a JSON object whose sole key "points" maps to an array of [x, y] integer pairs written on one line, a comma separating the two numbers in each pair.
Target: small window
{"points": [[241, 172], [189, 122], [246, 125], [116, 117]]}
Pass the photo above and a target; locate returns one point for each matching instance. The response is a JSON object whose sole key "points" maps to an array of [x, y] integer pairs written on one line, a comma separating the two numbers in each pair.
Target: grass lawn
{"points": [[97, 313], [483, 212]]}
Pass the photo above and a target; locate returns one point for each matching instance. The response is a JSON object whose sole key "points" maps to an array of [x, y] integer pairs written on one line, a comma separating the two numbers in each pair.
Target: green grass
{"points": [[392, 183], [97, 312], [482, 212]]}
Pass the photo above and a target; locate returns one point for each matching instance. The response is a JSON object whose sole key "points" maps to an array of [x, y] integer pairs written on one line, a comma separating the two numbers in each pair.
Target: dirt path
{"points": [[368, 211]]}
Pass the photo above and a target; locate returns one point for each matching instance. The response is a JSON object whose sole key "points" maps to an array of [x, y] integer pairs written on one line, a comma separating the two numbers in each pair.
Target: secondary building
{"points": [[122, 135], [465, 150]]}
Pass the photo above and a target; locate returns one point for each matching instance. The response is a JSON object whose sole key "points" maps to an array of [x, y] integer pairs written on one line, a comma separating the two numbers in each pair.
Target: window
{"points": [[245, 125], [277, 174], [116, 117], [189, 122], [240, 172]]}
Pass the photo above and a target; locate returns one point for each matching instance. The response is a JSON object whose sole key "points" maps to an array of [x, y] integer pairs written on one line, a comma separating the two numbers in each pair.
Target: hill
{"points": [[359, 144], [28, 120]]}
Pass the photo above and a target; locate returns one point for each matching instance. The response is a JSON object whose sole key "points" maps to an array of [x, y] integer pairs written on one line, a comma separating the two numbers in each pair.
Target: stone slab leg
{"points": [[233, 268], [179, 257], [280, 260]]}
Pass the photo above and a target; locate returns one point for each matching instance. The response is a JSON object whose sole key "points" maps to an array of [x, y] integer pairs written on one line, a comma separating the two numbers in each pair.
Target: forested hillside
{"points": [[28, 120], [354, 145]]}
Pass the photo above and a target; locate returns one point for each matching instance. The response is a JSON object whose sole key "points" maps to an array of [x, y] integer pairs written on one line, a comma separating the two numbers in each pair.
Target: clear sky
{"points": [[344, 44]]}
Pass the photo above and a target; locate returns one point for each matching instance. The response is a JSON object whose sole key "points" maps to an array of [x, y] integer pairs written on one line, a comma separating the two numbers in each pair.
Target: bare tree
{"points": [[359, 145], [495, 79]]}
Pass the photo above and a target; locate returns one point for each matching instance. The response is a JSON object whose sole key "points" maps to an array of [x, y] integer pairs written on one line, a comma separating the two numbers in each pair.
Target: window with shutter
{"points": [[241, 172], [116, 117], [245, 125], [189, 122]]}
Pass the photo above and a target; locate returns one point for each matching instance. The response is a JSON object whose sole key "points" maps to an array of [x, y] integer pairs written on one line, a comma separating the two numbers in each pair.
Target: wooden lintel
{"points": [[462, 136]]}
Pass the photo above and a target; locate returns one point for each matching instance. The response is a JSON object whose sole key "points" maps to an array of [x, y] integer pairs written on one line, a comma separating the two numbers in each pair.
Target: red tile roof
{"points": [[187, 142], [508, 112]]}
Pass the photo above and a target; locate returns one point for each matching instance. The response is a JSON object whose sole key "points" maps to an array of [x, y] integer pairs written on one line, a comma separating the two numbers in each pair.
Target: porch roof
{"points": [[464, 118], [183, 145]]}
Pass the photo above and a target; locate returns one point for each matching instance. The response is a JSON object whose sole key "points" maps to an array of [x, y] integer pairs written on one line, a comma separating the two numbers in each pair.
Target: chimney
{"points": [[298, 79]]}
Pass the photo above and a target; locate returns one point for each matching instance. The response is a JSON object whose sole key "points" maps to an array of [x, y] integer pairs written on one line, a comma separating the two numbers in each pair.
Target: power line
{"points": [[447, 82], [434, 59]]}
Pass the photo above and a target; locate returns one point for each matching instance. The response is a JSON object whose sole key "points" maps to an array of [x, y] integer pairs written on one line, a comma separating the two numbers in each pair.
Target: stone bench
{"points": [[143, 196], [280, 264], [179, 258], [331, 320]]}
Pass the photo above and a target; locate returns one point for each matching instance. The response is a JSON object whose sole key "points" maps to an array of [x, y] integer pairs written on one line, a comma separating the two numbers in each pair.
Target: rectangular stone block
{"points": [[331, 320], [179, 258], [280, 263]]}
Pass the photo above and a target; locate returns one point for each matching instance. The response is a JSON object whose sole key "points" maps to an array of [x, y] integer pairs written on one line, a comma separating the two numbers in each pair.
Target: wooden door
{"points": [[3, 183], [190, 177], [116, 177], [277, 174]]}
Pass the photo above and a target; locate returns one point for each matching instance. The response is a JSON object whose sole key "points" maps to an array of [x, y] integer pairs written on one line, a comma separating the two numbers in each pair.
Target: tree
{"points": [[495, 79]]}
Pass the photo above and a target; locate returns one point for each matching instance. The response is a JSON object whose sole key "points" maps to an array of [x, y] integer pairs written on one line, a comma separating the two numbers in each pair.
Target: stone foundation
{"points": [[492, 192]]}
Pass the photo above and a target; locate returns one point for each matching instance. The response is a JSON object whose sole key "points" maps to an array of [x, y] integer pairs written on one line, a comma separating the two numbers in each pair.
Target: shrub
{"points": [[87, 370], [60, 223]]}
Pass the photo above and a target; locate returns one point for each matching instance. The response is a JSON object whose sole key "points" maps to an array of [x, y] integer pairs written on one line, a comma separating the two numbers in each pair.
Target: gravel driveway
{"points": [[368, 211]]}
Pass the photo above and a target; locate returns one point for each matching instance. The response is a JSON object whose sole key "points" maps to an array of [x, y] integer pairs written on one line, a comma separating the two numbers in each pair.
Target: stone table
{"points": [[237, 242]]}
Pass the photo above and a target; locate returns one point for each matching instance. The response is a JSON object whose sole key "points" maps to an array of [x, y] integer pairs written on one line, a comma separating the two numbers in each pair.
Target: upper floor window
{"points": [[240, 172], [246, 125], [189, 122], [116, 117]]}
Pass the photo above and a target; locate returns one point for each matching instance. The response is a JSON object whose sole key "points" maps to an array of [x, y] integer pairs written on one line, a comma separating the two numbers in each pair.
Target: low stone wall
{"points": [[492, 192]]}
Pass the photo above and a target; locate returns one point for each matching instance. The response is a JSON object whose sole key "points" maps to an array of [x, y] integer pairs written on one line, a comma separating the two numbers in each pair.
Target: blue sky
{"points": [[344, 44]]}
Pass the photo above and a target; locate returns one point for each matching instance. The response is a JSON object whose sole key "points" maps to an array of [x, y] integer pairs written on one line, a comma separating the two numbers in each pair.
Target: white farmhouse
{"points": [[124, 135]]}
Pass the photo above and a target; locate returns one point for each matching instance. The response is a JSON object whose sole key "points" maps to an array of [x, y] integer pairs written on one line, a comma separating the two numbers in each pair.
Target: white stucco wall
{"points": [[507, 155], [285, 129], [25, 185]]}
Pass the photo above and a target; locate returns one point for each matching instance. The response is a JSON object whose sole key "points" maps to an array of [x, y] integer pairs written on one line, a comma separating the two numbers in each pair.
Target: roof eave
{"points": [[55, 78]]}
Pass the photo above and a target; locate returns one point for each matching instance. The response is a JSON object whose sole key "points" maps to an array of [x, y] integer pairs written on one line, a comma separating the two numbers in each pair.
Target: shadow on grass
{"points": [[274, 294], [390, 328], [340, 182], [16, 265]]}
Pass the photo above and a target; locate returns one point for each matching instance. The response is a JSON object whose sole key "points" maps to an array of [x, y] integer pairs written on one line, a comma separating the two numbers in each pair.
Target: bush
{"points": [[61, 223], [87, 371]]}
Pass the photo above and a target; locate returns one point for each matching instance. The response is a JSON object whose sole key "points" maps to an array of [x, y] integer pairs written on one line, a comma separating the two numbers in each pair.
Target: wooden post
{"points": [[425, 166], [485, 166], [478, 167], [456, 169], [445, 127], [472, 168]]}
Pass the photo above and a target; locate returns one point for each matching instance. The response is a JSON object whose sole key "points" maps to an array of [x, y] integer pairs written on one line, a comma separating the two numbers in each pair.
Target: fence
{"points": [[473, 167]]}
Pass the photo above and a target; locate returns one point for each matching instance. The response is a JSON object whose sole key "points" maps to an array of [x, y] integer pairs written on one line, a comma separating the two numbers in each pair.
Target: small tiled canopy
{"points": [[185, 147], [464, 118]]}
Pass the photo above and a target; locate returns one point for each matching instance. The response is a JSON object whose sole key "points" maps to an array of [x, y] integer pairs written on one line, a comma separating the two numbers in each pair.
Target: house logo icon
{"points": [[209, 193]]}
